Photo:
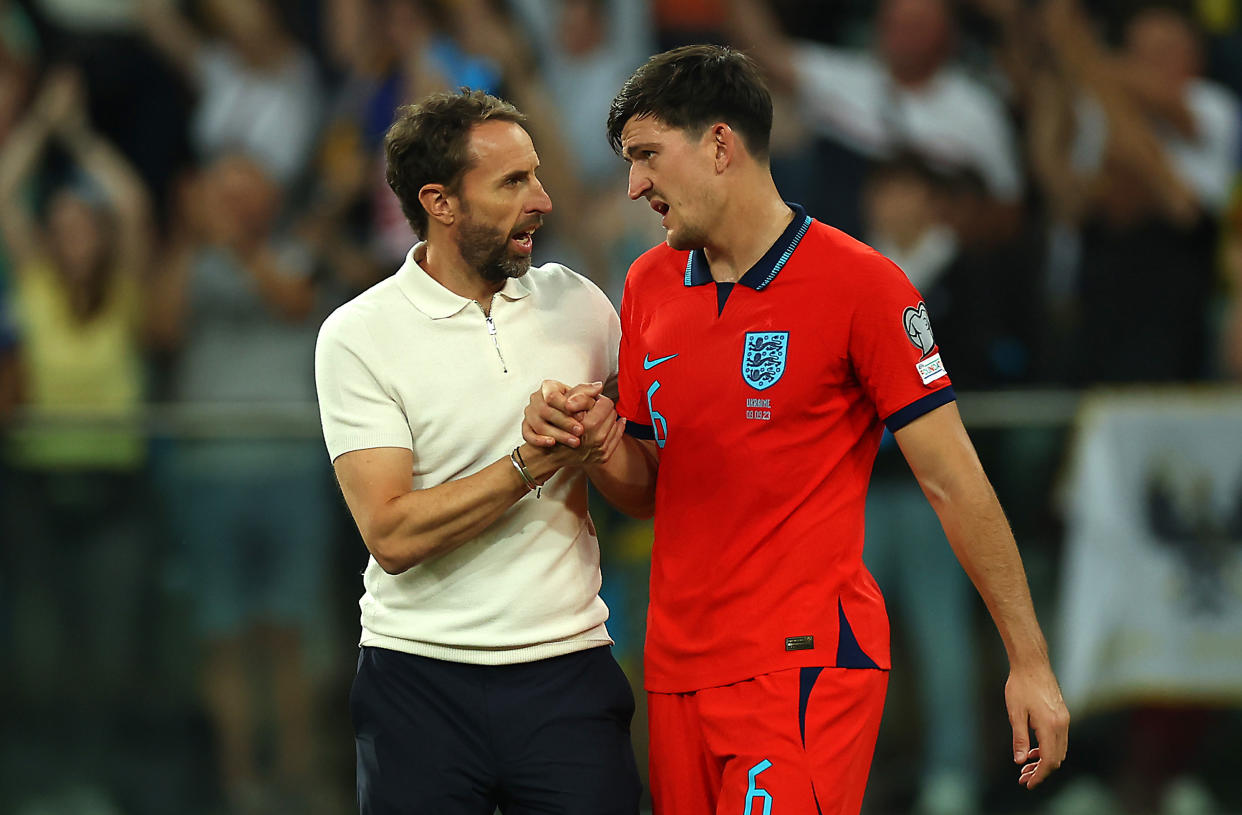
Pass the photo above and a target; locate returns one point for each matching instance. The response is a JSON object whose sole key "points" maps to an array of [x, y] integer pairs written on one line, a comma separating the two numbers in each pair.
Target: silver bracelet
{"points": [[519, 464]]}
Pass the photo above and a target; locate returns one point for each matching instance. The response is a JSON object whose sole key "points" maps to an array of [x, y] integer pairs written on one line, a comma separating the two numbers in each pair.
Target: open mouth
{"points": [[662, 208], [523, 240]]}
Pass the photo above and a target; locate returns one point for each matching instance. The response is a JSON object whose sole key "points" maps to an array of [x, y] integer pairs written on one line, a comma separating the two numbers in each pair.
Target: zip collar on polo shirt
{"points": [[765, 270], [431, 298]]}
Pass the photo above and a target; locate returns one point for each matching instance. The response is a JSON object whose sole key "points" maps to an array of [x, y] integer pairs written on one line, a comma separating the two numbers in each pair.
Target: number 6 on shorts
{"points": [[753, 792]]}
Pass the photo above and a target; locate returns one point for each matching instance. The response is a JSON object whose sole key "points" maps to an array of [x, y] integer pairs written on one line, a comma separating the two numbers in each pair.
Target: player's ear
{"points": [[725, 143], [436, 201]]}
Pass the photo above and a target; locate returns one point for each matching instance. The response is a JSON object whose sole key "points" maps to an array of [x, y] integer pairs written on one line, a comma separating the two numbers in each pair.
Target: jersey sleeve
{"points": [[356, 411], [893, 350], [631, 402]]}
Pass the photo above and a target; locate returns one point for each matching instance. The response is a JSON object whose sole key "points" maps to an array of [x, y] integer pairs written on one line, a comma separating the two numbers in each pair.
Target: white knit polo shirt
{"points": [[409, 364]]}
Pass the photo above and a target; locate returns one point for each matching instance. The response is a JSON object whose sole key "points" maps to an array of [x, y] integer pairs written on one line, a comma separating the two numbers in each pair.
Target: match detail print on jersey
{"points": [[930, 369]]}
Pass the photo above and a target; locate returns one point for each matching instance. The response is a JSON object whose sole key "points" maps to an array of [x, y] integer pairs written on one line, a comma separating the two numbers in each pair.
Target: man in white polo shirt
{"points": [[485, 679]]}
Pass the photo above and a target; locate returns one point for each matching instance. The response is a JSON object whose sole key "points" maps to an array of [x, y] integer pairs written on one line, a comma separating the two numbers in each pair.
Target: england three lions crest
{"points": [[918, 328], [763, 358]]}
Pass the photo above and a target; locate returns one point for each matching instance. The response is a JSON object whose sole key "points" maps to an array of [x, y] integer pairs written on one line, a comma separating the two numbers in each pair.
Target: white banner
{"points": [[1151, 591]]}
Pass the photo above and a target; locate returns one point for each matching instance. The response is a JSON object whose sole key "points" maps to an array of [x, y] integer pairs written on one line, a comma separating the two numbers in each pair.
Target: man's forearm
{"points": [[976, 527], [628, 479], [947, 468], [422, 524]]}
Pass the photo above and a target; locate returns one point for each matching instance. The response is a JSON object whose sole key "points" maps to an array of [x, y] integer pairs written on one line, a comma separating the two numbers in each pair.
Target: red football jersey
{"points": [[768, 399]]}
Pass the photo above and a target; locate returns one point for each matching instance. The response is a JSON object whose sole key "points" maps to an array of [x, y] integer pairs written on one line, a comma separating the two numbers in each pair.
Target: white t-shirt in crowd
{"points": [[410, 364], [952, 121], [1206, 162], [271, 116], [582, 85]]}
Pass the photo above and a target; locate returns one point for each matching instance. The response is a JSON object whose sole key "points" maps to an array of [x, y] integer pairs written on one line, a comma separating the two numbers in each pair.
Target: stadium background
{"points": [[1082, 263]]}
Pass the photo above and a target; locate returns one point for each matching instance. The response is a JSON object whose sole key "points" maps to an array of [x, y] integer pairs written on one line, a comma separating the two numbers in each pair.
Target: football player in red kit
{"points": [[762, 355]]}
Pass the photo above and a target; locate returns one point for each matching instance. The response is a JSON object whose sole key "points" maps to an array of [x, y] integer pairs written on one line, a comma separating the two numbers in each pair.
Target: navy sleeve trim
{"points": [[640, 431], [916, 409]]}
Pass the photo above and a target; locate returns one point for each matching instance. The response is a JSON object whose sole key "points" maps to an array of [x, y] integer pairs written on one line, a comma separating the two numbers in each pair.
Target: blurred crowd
{"points": [[188, 188]]}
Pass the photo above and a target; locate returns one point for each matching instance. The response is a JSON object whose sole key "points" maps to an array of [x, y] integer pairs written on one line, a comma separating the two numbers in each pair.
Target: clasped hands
{"points": [[581, 423]]}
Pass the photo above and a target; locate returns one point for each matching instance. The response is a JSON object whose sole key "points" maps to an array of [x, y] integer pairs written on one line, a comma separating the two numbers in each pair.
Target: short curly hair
{"points": [[427, 144]]}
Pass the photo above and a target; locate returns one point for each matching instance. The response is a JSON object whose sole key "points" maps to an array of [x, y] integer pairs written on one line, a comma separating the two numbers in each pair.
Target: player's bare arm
{"points": [[624, 471], [948, 469], [403, 527]]}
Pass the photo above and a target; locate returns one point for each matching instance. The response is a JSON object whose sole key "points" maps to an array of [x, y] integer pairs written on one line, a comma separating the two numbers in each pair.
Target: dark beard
{"points": [[486, 250]]}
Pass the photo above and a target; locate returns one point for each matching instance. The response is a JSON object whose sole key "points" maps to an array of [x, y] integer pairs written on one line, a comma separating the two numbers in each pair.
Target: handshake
{"points": [[579, 425]]}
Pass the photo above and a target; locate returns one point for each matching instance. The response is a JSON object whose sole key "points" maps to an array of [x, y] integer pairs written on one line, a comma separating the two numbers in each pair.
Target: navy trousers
{"points": [[447, 738]]}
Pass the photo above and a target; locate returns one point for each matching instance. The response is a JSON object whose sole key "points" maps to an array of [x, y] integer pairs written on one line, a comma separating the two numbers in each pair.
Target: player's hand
{"points": [[602, 430], [1035, 704], [555, 412], [601, 436]]}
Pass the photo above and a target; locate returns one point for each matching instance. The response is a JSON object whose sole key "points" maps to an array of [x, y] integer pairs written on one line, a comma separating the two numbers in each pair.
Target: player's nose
{"points": [[640, 183]]}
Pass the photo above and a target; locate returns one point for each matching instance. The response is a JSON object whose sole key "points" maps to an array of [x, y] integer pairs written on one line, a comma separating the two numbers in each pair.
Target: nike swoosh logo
{"points": [[649, 363]]}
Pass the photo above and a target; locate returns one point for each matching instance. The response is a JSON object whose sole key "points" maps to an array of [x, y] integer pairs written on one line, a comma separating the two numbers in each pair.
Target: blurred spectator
{"points": [[389, 51], [586, 49], [1138, 152], [904, 97], [346, 220], [981, 289], [905, 223], [257, 87], [435, 41], [75, 507], [253, 511], [134, 102], [932, 603], [77, 273], [354, 222], [905, 550], [1004, 39]]}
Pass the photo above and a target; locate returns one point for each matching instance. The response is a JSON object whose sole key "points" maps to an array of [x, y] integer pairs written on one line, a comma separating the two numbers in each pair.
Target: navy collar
{"points": [[765, 270]]}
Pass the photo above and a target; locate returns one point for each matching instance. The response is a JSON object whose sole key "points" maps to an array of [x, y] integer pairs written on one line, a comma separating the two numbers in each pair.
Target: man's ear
{"points": [[725, 142], [436, 200]]}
